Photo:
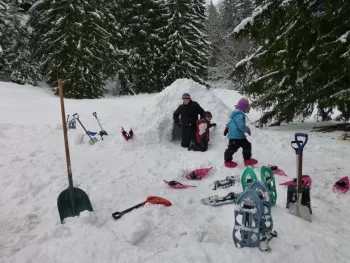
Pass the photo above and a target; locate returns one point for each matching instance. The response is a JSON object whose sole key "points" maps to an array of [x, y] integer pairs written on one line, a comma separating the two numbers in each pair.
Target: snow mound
{"points": [[157, 119]]}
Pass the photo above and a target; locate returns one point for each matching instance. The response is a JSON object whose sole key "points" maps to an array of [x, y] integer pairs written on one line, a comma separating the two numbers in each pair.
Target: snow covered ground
{"points": [[117, 175]]}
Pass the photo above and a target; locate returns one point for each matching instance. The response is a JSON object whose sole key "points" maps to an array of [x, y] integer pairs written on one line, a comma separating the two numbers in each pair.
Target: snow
{"points": [[117, 175], [248, 59], [250, 20], [344, 37], [285, 2], [157, 119]]}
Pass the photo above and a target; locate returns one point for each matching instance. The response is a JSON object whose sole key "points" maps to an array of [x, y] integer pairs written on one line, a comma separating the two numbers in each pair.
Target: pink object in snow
{"points": [[177, 185], [306, 180], [342, 185], [250, 162], [277, 170], [198, 174], [230, 164]]}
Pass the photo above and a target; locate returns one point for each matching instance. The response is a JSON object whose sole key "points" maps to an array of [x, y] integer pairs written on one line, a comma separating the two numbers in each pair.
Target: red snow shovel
{"points": [[151, 199]]}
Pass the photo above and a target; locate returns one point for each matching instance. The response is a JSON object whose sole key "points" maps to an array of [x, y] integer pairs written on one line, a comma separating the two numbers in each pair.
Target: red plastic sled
{"points": [[277, 170], [306, 180], [198, 174], [342, 185], [177, 185]]}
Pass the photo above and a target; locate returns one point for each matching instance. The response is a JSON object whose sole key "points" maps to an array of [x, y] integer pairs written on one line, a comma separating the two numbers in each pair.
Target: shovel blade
{"points": [[93, 140], [65, 206], [300, 211]]}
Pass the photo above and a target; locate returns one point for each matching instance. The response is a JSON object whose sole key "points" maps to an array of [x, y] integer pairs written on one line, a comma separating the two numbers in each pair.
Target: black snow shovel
{"points": [[102, 132], [297, 208], [73, 200], [92, 139]]}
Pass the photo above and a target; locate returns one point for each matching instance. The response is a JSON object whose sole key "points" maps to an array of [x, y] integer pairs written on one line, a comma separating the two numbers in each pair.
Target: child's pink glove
{"points": [[249, 132]]}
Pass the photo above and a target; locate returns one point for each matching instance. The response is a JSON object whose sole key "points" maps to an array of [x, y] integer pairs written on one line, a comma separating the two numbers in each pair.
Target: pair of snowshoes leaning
{"points": [[253, 219], [267, 178]]}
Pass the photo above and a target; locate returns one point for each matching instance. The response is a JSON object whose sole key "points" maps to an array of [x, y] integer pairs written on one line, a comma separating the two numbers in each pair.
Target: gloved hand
{"points": [[213, 124], [226, 131], [249, 132]]}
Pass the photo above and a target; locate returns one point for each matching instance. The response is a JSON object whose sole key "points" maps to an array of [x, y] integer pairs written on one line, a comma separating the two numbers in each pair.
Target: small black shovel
{"points": [[102, 132]]}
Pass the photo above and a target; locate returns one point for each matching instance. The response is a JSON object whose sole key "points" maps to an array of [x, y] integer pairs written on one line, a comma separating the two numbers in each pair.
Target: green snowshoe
{"points": [[248, 177], [268, 178]]}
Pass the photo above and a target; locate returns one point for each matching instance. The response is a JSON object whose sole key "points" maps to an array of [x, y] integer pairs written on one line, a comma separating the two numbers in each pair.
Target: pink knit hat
{"points": [[243, 104]]}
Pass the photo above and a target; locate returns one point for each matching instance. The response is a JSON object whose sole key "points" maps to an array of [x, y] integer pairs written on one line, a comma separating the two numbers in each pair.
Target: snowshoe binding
{"points": [[215, 200], [229, 181], [177, 185]]}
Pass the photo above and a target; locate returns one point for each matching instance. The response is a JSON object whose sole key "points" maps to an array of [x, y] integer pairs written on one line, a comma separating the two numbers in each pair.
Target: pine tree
{"points": [[186, 48], [23, 69], [213, 32], [18, 65], [230, 50], [4, 15], [200, 38], [302, 59], [139, 22], [228, 21], [72, 44]]}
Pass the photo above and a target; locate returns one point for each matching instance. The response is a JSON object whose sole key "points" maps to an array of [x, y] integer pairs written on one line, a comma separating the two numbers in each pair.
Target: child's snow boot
{"points": [[230, 164], [250, 161]]}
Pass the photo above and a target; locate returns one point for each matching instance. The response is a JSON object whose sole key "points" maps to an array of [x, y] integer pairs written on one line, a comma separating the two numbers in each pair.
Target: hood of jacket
{"points": [[235, 113]]}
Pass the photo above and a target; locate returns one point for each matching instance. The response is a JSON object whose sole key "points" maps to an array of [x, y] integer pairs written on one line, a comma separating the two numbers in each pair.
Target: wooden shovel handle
{"points": [[69, 168]]}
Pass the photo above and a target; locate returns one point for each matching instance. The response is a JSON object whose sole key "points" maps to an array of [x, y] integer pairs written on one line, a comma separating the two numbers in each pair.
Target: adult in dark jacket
{"points": [[189, 112]]}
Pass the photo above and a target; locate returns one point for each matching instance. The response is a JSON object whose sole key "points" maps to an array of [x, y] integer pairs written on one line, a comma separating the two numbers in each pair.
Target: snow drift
{"points": [[157, 119]]}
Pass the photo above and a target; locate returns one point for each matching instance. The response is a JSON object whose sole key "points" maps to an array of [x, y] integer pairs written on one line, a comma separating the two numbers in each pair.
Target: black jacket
{"points": [[189, 114]]}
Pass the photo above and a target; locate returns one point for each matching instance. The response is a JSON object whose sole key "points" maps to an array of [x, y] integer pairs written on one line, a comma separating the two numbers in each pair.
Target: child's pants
{"points": [[234, 145], [202, 146]]}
